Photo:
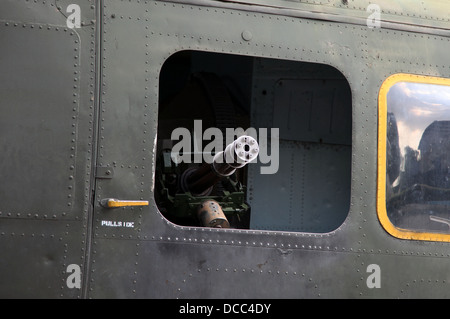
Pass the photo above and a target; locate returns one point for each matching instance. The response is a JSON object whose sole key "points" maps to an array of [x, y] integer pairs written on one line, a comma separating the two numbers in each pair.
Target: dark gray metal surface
{"points": [[46, 127], [111, 70]]}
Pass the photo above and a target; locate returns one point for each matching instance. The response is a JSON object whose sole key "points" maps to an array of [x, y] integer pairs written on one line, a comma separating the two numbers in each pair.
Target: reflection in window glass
{"points": [[418, 157]]}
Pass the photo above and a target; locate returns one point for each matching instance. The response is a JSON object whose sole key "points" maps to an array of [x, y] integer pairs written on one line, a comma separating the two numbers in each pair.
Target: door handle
{"points": [[115, 203]]}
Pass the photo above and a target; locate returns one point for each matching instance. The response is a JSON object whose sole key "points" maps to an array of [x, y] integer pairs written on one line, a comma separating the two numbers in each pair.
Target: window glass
{"points": [[417, 172]]}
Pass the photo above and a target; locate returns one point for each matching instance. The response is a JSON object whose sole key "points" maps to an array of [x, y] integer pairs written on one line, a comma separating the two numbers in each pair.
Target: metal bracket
{"points": [[104, 172]]}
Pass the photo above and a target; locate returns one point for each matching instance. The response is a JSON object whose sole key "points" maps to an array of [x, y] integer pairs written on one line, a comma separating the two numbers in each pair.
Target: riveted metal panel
{"points": [[39, 125], [38, 254], [47, 89], [155, 258], [141, 32], [426, 13], [152, 32], [312, 188], [317, 111]]}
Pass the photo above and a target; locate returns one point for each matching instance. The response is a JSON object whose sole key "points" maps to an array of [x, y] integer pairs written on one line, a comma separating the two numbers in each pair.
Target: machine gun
{"points": [[207, 193]]}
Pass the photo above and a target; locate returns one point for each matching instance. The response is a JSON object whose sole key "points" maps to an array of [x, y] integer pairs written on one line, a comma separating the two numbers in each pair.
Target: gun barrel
{"points": [[199, 181], [242, 151]]}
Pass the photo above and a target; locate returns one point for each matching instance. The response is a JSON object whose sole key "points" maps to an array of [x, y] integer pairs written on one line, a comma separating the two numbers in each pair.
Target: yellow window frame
{"points": [[381, 178]]}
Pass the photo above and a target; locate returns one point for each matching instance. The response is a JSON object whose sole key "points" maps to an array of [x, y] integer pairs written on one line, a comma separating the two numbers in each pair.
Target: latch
{"points": [[115, 203]]}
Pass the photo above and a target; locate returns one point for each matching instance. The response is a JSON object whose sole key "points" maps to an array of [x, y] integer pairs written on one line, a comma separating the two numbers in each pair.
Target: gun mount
{"points": [[184, 190]]}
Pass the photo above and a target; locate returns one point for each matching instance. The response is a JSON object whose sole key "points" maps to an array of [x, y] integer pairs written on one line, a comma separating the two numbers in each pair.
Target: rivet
{"points": [[246, 35]]}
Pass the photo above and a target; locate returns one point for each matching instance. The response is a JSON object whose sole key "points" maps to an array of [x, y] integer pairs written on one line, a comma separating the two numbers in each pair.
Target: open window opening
{"points": [[253, 143]]}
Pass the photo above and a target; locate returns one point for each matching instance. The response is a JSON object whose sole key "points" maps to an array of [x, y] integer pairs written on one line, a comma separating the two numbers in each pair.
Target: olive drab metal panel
{"points": [[157, 258], [137, 40], [82, 85], [46, 135], [427, 13]]}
